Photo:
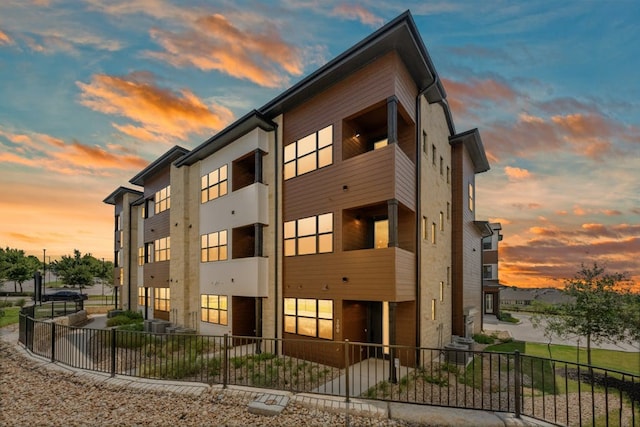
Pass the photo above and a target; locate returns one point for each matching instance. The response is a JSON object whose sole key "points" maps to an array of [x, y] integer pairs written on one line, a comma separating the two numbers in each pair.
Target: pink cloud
{"points": [[357, 12], [516, 174], [161, 113]]}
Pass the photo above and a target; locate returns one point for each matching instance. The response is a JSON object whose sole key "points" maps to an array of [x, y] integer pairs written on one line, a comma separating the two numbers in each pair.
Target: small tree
{"points": [[76, 270], [600, 310], [17, 267]]}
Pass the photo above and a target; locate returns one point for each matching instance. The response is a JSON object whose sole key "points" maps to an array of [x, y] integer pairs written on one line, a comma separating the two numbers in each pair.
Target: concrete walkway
{"points": [[418, 414]]}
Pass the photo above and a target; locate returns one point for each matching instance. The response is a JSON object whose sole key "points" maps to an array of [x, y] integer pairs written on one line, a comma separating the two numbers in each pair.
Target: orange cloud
{"points": [[52, 154], [612, 212], [215, 43], [4, 38], [515, 174], [162, 113], [357, 12]]}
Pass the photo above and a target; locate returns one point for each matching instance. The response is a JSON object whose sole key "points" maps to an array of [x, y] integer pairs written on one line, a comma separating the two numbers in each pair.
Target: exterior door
{"points": [[488, 303]]}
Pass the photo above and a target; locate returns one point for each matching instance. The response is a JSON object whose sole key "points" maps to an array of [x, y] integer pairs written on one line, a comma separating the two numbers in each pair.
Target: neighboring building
{"points": [[342, 209], [490, 282], [512, 298]]}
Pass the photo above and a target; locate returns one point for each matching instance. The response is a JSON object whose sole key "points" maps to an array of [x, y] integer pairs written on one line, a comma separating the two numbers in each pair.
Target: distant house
{"points": [[514, 298]]}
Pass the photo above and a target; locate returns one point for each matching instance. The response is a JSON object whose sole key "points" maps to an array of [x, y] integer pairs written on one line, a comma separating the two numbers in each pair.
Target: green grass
{"points": [[10, 316], [610, 359]]}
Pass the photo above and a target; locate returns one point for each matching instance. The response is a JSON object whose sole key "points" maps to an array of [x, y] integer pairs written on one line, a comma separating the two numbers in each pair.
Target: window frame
{"points": [[162, 249], [303, 150], [218, 308], [293, 318], [292, 241], [162, 200], [220, 184], [208, 249], [161, 298]]}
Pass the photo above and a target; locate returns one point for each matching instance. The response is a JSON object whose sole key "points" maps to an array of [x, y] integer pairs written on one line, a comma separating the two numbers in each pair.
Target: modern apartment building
{"points": [[344, 208], [490, 282]]}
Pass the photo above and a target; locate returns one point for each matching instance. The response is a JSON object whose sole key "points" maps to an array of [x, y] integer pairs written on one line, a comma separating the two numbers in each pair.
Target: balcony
{"points": [[386, 274], [248, 277]]}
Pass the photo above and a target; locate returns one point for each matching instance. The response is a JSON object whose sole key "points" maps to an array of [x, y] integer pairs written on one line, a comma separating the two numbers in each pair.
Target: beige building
{"points": [[344, 208]]}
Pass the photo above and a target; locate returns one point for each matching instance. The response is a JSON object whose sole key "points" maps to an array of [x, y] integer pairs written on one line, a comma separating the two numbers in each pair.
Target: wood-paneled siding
{"points": [[373, 177], [386, 274]]}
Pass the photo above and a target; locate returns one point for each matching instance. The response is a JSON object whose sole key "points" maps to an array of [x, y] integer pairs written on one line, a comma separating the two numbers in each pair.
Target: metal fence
{"points": [[560, 392]]}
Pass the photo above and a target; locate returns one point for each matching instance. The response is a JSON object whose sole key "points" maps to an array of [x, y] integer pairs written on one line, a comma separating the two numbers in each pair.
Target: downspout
{"points": [[129, 262], [419, 213], [276, 240]]}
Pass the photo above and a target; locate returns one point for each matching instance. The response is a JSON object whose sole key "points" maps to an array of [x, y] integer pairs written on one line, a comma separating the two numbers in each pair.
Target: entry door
{"points": [[374, 328], [488, 303]]}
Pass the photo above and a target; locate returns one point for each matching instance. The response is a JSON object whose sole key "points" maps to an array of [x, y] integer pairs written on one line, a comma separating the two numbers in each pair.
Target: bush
{"points": [[507, 317], [21, 302], [6, 304], [125, 318], [483, 339]]}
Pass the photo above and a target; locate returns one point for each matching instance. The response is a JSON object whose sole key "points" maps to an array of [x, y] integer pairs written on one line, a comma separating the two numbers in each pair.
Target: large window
{"points": [[142, 300], [213, 246], [162, 299], [213, 309], [381, 233], [307, 154], [311, 235], [162, 249], [214, 184], [310, 317], [163, 200]]}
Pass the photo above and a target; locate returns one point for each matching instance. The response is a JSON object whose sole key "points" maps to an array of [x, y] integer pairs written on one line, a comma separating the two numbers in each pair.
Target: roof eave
{"points": [[166, 159], [250, 121], [111, 198], [473, 143]]}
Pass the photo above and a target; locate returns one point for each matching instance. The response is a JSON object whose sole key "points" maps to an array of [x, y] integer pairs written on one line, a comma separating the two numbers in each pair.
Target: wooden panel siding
{"points": [[156, 274], [369, 86], [490, 257], [386, 274], [372, 177], [406, 331]]}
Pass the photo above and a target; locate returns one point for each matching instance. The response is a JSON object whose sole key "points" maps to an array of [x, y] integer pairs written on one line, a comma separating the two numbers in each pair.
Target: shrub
{"points": [[483, 339], [21, 302], [5, 304], [119, 320]]}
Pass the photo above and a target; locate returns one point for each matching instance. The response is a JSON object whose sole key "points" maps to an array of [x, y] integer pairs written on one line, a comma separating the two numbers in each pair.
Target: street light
{"points": [[44, 270]]}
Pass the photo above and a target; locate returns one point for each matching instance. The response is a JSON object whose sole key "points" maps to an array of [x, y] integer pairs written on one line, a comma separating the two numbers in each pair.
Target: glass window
{"points": [[142, 301], [162, 299], [163, 200], [441, 221], [162, 249], [381, 233], [214, 184], [310, 235], [213, 246], [309, 317], [471, 197], [141, 255], [309, 153], [213, 309], [425, 227], [433, 232]]}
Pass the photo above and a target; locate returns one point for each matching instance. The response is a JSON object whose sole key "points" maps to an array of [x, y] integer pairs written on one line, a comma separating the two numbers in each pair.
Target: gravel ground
{"points": [[33, 395]]}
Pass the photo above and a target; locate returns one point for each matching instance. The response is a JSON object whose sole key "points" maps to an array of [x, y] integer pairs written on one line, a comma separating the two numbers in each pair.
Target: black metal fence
{"points": [[560, 392]]}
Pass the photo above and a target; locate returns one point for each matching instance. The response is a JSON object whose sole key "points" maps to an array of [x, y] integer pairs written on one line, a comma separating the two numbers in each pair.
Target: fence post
{"points": [[346, 369], [225, 362], [518, 370], [113, 352], [53, 341]]}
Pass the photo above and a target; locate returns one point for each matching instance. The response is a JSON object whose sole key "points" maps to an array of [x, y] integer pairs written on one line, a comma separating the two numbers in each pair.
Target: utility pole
{"points": [[44, 270]]}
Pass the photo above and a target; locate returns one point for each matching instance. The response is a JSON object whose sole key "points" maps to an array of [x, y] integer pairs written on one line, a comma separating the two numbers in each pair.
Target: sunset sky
{"points": [[92, 91]]}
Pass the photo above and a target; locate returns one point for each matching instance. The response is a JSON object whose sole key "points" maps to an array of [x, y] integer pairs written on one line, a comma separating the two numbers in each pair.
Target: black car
{"points": [[64, 296]]}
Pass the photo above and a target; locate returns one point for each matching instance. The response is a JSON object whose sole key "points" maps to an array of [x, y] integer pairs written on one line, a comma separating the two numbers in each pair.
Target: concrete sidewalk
{"points": [[411, 413]]}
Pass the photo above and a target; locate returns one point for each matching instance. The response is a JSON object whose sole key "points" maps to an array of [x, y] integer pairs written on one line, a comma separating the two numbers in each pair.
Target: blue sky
{"points": [[92, 91]]}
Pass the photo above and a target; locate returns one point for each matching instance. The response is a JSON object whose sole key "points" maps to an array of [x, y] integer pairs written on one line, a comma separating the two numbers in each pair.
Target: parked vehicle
{"points": [[64, 296]]}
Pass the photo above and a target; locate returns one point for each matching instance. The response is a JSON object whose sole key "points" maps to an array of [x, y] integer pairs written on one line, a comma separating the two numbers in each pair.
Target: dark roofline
{"points": [[174, 153], [484, 228], [472, 141], [111, 198], [239, 128], [401, 35]]}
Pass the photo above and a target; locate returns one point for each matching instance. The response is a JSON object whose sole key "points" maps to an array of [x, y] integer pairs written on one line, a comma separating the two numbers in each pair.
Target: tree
{"points": [[17, 267], [76, 270], [601, 309]]}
